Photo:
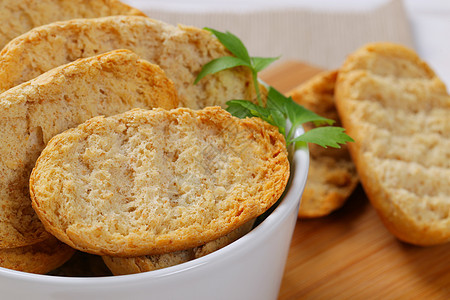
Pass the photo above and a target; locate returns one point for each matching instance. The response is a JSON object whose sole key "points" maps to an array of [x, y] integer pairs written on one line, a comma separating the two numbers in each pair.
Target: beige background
{"points": [[322, 38]]}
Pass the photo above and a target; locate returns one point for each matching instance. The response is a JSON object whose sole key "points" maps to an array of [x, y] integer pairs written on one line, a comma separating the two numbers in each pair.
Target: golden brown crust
{"points": [[332, 175], [32, 113], [132, 265], [180, 51], [20, 16], [39, 258], [152, 182], [396, 110]]}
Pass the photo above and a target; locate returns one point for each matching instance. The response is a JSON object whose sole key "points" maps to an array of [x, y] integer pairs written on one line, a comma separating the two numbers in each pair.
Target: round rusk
{"points": [[156, 181], [20, 16], [33, 112], [397, 111], [181, 51], [332, 175]]}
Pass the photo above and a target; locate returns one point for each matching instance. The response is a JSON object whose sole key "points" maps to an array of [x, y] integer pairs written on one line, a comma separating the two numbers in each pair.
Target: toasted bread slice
{"points": [[397, 111], [20, 16], [33, 112], [39, 258], [332, 175], [180, 51], [139, 264], [156, 181]]}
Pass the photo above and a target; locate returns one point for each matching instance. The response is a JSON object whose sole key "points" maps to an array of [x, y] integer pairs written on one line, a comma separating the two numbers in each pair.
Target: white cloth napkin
{"points": [[430, 24]]}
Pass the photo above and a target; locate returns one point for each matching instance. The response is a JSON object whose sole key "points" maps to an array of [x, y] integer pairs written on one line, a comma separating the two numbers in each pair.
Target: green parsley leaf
{"points": [[296, 113], [242, 58], [232, 43], [279, 121], [260, 63], [252, 109], [219, 64], [300, 115], [324, 136], [277, 101], [244, 108], [237, 110], [279, 110]]}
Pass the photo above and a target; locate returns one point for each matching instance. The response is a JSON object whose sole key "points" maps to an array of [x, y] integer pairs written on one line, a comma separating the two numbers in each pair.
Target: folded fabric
{"points": [[317, 35]]}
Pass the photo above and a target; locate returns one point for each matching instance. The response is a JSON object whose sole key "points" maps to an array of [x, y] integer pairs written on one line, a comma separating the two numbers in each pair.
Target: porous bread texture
{"points": [[156, 181], [180, 51], [39, 258], [33, 112], [20, 16], [332, 175], [139, 264], [397, 111]]}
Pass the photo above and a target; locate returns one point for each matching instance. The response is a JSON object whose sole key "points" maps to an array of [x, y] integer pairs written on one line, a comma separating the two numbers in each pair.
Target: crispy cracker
{"points": [[33, 112], [156, 181], [332, 175], [397, 111], [132, 265], [20, 16], [180, 51], [39, 258]]}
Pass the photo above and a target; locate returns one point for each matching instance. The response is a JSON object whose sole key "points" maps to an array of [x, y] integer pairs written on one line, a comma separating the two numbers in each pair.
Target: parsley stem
{"points": [[289, 135], [256, 84]]}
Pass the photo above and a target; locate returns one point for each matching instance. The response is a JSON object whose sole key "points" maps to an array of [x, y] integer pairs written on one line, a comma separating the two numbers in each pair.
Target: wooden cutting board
{"points": [[350, 254]]}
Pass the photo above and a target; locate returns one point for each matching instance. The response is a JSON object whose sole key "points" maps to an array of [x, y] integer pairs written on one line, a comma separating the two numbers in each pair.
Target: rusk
{"points": [[332, 175], [156, 181], [20, 16], [397, 111], [33, 112], [180, 51], [139, 264], [39, 258]]}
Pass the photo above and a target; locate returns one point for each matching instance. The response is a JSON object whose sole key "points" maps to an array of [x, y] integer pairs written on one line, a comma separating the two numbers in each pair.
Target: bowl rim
{"points": [[299, 168]]}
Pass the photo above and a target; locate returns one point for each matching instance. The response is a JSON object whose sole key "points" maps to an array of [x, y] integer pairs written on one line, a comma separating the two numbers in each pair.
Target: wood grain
{"points": [[350, 254]]}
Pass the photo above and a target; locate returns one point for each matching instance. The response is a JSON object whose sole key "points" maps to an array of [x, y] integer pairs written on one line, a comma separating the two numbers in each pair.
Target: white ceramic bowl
{"points": [[250, 268]]}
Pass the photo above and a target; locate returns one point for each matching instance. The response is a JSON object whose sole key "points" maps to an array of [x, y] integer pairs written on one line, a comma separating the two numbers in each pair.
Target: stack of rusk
{"points": [[140, 165]]}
